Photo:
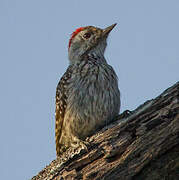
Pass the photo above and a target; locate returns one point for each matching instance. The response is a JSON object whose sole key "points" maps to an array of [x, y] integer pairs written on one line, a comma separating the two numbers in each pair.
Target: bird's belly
{"points": [[92, 106]]}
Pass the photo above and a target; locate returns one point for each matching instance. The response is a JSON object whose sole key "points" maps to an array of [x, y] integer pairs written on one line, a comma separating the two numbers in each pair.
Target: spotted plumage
{"points": [[61, 102], [87, 95]]}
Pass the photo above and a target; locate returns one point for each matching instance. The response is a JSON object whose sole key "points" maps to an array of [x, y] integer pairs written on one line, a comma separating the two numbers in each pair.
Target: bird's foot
{"points": [[125, 114]]}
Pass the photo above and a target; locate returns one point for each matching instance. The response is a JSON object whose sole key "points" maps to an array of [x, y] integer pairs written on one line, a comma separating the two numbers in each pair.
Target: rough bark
{"points": [[143, 145]]}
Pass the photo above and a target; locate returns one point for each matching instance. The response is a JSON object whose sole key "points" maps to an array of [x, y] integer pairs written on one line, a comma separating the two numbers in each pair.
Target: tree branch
{"points": [[145, 145]]}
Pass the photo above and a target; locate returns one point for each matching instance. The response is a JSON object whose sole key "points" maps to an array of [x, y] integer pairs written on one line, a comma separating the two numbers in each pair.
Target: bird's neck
{"points": [[80, 54], [95, 54], [98, 54]]}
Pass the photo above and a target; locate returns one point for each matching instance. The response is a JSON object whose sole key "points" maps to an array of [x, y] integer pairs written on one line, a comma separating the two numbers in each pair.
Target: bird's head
{"points": [[86, 40]]}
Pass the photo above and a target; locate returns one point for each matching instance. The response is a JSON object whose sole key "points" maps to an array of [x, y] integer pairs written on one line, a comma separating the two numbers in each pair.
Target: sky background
{"points": [[143, 49]]}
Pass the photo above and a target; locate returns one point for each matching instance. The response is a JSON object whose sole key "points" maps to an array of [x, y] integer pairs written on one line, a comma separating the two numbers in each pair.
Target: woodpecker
{"points": [[87, 95]]}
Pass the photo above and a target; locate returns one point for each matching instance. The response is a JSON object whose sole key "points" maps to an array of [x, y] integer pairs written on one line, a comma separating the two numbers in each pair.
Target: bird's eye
{"points": [[87, 35]]}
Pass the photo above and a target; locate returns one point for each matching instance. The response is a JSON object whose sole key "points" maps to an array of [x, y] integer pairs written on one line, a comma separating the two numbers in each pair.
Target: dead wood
{"points": [[144, 145]]}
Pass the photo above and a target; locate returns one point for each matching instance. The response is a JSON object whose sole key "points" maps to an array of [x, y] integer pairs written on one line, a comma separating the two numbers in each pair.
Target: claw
{"points": [[125, 114]]}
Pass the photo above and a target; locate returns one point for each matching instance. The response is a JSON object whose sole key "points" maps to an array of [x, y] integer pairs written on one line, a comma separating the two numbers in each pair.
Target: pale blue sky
{"points": [[143, 49]]}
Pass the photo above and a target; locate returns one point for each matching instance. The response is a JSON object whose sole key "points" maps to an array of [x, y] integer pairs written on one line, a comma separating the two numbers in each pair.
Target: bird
{"points": [[87, 95]]}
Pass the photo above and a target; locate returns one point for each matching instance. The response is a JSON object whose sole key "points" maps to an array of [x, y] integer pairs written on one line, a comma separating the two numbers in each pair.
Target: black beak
{"points": [[107, 30]]}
